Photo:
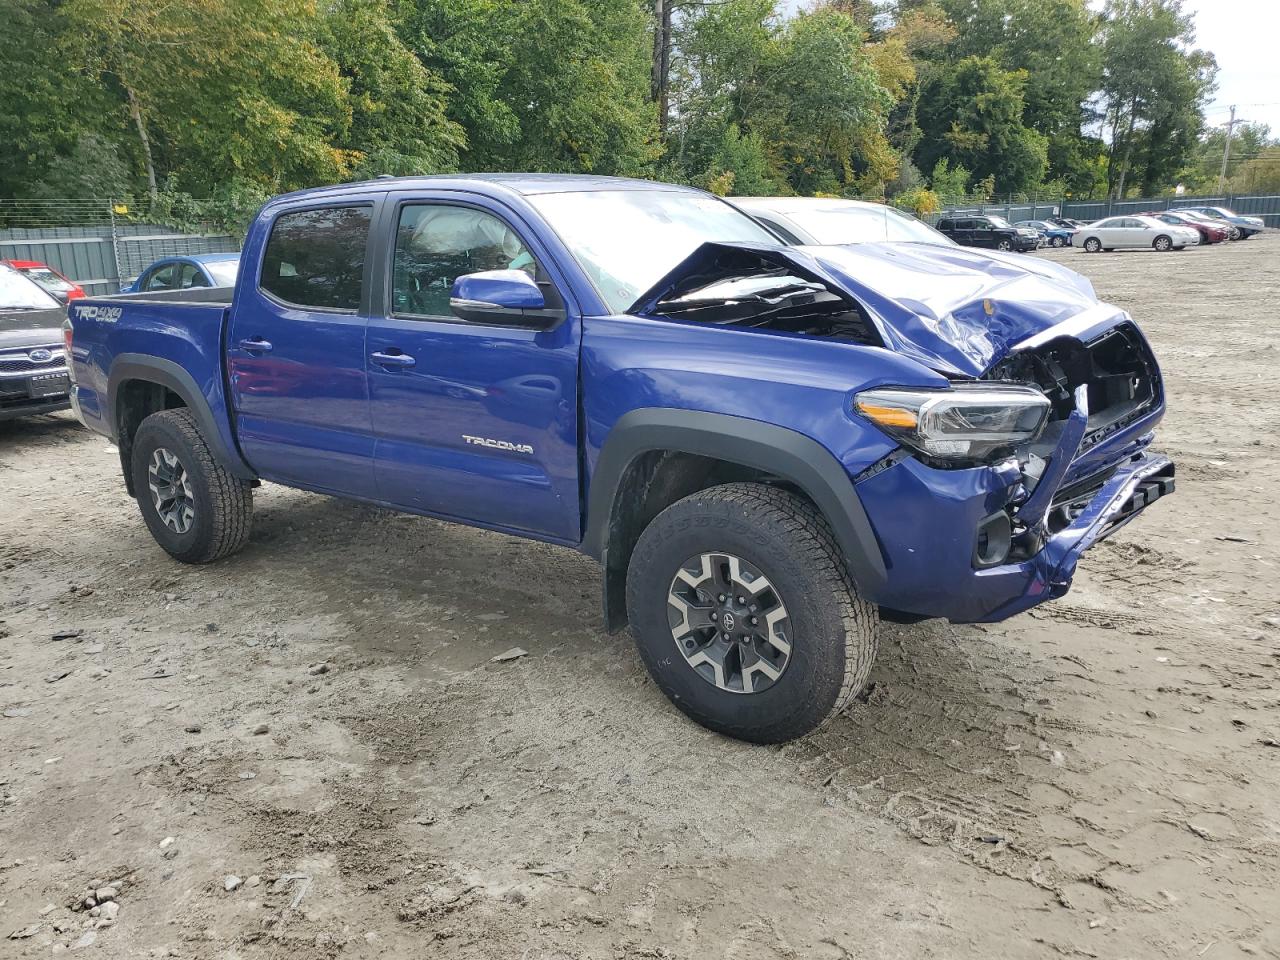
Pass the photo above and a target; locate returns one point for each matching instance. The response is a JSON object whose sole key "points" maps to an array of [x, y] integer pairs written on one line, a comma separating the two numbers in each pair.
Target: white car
{"points": [[1148, 233], [822, 220]]}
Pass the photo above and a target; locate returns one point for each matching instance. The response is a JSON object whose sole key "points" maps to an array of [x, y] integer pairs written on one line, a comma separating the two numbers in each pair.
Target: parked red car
{"points": [[1209, 232], [49, 278]]}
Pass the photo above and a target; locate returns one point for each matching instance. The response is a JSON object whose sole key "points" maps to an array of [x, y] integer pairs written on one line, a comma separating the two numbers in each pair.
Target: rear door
{"points": [[1138, 233], [473, 421], [295, 349]]}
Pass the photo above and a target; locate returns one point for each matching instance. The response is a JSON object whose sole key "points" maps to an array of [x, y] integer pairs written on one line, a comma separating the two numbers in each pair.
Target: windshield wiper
{"points": [[735, 299]]}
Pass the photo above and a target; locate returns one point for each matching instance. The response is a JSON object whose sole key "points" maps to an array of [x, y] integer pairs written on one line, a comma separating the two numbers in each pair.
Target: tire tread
{"points": [[231, 499]]}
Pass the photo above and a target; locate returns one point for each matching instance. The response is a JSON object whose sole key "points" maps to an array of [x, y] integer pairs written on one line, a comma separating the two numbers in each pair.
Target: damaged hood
{"points": [[955, 310]]}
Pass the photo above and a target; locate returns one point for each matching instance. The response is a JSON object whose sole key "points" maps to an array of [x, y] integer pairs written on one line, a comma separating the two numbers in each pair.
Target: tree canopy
{"points": [[869, 98]]}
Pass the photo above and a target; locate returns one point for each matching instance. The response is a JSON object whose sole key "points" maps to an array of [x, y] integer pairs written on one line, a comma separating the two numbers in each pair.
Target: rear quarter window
{"points": [[315, 258]]}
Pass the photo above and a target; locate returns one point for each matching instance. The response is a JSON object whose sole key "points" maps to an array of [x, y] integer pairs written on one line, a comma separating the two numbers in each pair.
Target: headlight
{"points": [[968, 422]]}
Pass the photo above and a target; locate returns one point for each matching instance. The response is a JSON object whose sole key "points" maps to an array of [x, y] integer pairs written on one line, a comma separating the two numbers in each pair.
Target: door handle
{"points": [[255, 345], [392, 359]]}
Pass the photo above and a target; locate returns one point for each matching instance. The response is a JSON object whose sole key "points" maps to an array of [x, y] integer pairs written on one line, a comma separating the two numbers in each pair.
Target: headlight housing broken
{"points": [[965, 423]]}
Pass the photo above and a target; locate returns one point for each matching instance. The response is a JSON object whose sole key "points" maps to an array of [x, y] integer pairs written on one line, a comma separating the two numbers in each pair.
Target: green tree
{"points": [[1154, 88], [399, 108], [948, 182], [1053, 41], [971, 114], [804, 93], [557, 85], [216, 90], [49, 108]]}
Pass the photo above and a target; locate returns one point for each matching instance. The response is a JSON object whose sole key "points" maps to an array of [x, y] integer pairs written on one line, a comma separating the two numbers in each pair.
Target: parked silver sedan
{"points": [[1147, 233]]}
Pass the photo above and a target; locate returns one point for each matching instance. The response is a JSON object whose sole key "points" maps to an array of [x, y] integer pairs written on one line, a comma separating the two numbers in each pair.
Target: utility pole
{"points": [[1226, 149]]}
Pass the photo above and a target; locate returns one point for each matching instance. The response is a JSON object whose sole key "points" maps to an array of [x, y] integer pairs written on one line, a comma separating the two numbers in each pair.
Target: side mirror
{"points": [[503, 298]]}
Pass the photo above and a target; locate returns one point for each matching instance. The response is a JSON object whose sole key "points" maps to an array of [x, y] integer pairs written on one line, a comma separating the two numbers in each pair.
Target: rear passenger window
{"points": [[315, 258]]}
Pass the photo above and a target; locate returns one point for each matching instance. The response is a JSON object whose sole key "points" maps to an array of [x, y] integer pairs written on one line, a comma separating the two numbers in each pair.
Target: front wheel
{"points": [[1092, 245], [194, 506], [745, 615], [1004, 245], [1233, 233], [1162, 244]]}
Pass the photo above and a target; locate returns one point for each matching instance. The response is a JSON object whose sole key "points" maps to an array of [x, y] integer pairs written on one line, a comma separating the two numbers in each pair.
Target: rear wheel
{"points": [[194, 507], [1161, 243], [1093, 245], [745, 615], [1057, 242]]}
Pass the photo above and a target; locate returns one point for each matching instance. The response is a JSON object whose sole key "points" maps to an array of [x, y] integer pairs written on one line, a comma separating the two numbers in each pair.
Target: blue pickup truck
{"points": [[768, 448]]}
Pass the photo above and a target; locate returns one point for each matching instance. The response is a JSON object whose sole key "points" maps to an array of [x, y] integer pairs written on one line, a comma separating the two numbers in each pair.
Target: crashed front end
{"points": [[1005, 535], [1035, 449]]}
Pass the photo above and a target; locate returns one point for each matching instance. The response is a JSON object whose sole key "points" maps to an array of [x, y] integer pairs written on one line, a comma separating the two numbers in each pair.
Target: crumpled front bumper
{"points": [[1134, 487], [926, 522]]}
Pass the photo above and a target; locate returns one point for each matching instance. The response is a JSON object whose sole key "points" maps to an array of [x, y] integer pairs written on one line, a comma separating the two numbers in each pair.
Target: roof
{"points": [[208, 257], [789, 204], [520, 183]]}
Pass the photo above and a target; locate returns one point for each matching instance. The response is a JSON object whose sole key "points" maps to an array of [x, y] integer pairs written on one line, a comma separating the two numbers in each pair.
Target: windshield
{"points": [[48, 279], [841, 224], [223, 271], [19, 293], [627, 240]]}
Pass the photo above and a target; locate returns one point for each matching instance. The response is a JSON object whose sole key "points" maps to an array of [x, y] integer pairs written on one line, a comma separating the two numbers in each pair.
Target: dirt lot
{"points": [[319, 717]]}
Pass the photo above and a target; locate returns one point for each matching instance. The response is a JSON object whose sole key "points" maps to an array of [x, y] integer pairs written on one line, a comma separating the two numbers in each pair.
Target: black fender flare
{"points": [[778, 451], [166, 373]]}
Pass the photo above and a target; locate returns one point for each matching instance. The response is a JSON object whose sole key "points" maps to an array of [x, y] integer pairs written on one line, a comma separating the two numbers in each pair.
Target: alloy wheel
{"points": [[171, 491], [729, 622]]}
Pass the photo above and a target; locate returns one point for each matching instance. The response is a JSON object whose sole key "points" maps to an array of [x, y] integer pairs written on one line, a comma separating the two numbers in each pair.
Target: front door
{"points": [[296, 356], [984, 235], [473, 422]]}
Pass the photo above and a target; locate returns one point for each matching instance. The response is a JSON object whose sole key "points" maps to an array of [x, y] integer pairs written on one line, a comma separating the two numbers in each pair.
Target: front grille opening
{"points": [[1118, 369]]}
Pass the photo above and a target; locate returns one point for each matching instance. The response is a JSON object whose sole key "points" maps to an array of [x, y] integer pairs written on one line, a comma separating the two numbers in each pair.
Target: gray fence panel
{"points": [[99, 260]]}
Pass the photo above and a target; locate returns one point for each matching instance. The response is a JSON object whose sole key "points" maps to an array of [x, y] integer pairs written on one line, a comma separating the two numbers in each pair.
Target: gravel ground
{"points": [[319, 724]]}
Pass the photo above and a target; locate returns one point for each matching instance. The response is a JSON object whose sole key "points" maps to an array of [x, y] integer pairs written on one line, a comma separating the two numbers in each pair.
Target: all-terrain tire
{"points": [[832, 631], [222, 504]]}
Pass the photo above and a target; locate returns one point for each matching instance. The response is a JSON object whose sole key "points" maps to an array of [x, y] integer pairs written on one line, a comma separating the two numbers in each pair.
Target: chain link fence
{"points": [[103, 244]]}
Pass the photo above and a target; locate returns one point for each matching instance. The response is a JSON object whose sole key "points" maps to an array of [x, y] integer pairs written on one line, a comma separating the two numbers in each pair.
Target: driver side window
{"points": [[437, 243]]}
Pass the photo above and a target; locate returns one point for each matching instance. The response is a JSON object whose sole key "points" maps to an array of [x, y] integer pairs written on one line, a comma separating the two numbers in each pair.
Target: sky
{"points": [[1244, 36]]}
